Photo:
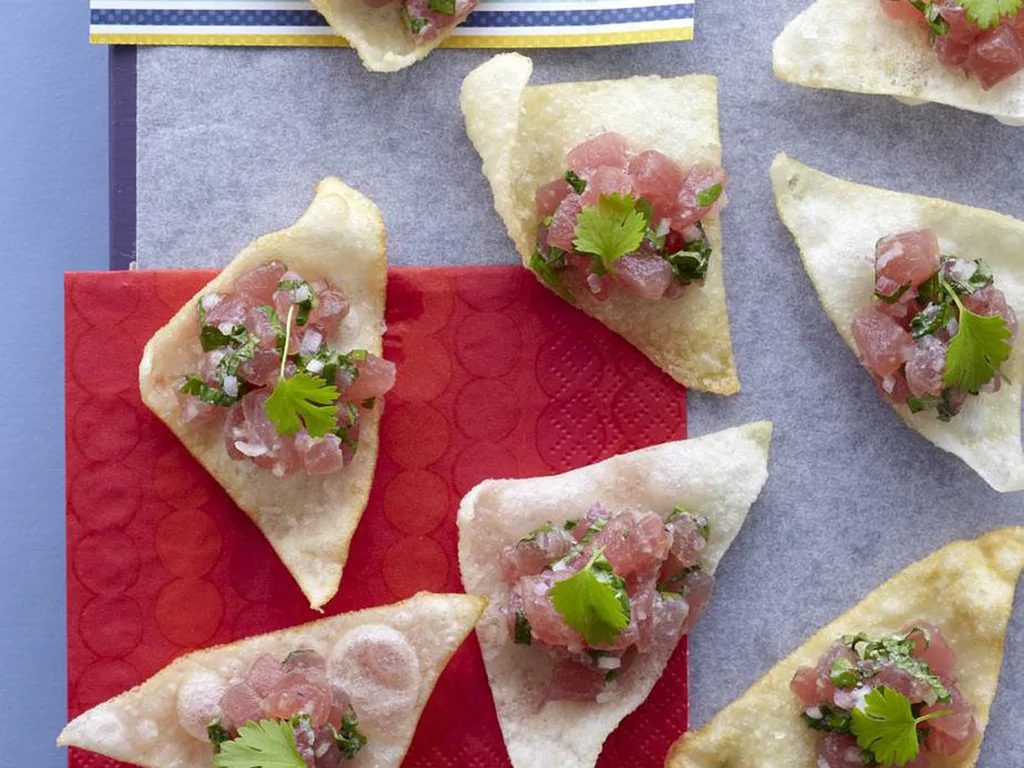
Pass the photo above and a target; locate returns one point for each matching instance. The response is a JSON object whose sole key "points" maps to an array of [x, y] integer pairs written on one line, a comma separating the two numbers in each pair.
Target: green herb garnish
{"points": [[442, 6], [301, 294], [988, 13], [266, 744], [593, 601], [217, 734], [578, 184], [933, 15], [832, 720], [609, 230], [523, 632], [200, 389], [887, 728], [302, 400], [709, 196], [981, 345], [546, 270], [349, 739]]}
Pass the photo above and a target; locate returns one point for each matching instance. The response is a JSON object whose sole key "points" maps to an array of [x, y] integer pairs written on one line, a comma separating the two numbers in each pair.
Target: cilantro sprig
{"points": [[980, 347], [348, 738], [267, 744], [887, 727], [593, 601], [302, 400], [609, 229], [988, 13]]}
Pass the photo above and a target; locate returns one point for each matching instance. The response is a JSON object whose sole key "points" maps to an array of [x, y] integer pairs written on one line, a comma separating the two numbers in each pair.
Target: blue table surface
{"points": [[53, 218]]}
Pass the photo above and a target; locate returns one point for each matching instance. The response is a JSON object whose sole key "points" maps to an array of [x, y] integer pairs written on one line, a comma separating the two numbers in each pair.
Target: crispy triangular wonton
{"points": [[309, 520], [836, 224], [523, 134], [380, 35], [718, 476], [142, 726], [851, 45], [966, 589]]}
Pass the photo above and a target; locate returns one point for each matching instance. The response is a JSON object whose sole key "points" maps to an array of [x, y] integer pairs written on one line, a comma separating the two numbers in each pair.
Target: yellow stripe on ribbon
{"points": [[466, 41]]}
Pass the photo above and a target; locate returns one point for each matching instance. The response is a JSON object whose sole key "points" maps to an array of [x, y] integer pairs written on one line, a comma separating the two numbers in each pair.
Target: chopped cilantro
{"points": [[196, 387], [217, 734], [844, 674], [709, 196], [933, 15], [691, 263], [931, 319], [349, 740], [442, 6], [578, 184], [302, 295], [832, 720], [894, 297], [211, 337], [416, 25], [523, 631], [532, 535], [548, 274]]}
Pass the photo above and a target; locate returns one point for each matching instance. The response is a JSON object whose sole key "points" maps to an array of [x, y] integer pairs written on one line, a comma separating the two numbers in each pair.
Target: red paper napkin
{"points": [[496, 378]]}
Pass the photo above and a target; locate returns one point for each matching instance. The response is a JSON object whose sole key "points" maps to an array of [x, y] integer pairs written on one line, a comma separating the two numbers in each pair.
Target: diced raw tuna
{"points": [[546, 623], [634, 541], [995, 56], [700, 179], [331, 308], [687, 545], [936, 652], [952, 53], [258, 286], [262, 369], [909, 258], [658, 180], [572, 681], [991, 301], [606, 181], [295, 694], [264, 674], [961, 29], [226, 311], [805, 685], [608, 149], [376, 377], [950, 733], [320, 455], [562, 231], [925, 370], [646, 276], [883, 344], [527, 558], [240, 705], [839, 751], [697, 590], [901, 10], [550, 196]]}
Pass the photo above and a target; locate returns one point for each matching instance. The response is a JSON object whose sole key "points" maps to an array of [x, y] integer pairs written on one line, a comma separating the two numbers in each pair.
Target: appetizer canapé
{"points": [[271, 377], [937, 331], [924, 292], [614, 204], [887, 700], [347, 688], [906, 677], [964, 53], [593, 576], [294, 402], [390, 35], [649, 568], [991, 51], [626, 219]]}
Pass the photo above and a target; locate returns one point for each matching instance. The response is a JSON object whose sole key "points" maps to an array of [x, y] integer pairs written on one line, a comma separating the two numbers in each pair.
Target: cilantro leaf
{"points": [[832, 720], [987, 13], [303, 400], [980, 346], [196, 387], [933, 15], [442, 6], [609, 230], [267, 744], [593, 601], [217, 734], [886, 726], [211, 337], [709, 196], [416, 24]]}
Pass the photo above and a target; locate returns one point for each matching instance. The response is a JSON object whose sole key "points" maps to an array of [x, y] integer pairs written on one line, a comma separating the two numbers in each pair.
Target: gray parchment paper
{"points": [[231, 143]]}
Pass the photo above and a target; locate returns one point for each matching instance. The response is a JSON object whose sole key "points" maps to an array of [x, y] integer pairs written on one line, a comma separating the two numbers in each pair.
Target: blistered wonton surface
{"points": [[836, 224], [308, 519], [966, 589], [851, 45], [142, 726], [523, 134], [380, 35], [718, 476]]}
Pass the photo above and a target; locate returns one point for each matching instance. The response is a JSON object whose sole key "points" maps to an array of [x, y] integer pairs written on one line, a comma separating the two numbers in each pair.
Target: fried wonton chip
{"points": [[836, 224], [380, 35], [523, 134], [309, 520], [851, 45], [718, 476], [144, 725], [966, 589]]}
